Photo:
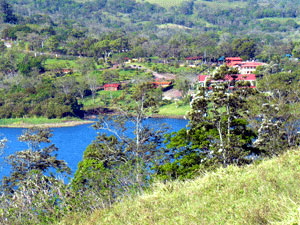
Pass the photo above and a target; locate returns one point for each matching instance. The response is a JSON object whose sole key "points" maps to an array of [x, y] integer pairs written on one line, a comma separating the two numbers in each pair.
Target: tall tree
{"points": [[218, 132], [119, 161], [34, 158], [6, 13]]}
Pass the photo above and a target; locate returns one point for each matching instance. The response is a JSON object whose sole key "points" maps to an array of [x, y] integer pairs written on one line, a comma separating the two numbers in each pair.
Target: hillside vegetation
{"points": [[149, 15], [264, 193]]}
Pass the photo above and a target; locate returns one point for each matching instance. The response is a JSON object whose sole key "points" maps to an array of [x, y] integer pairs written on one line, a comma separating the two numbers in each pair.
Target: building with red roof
{"points": [[232, 61], [249, 67], [162, 84], [111, 87], [194, 58]]}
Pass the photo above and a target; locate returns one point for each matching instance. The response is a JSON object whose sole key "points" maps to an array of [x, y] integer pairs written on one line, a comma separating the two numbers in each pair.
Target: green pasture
{"points": [[174, 109], [51, 64], [102, 99]]}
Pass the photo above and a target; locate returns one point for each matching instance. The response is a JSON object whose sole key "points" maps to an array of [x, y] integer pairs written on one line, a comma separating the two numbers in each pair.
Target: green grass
{"points": [[174, 110], [173, 26], [224, 4], [280, 19], [33, 121], [263, 193], [164, 3], [101, 98], [59, 64], [214, 4]]}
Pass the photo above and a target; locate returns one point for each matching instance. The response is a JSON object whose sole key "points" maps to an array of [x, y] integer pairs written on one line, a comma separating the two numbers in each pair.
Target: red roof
{"points": [[233, 59], [162, 82], [202, 78], [111, 85], [194, 58]]}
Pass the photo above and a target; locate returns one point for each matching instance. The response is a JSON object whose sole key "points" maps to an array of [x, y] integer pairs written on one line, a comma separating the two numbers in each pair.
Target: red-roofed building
{"points": [[251, 78], [111, 87], [249, 67], [194, 58], [162, 84], [244, 67], [232, 61]]}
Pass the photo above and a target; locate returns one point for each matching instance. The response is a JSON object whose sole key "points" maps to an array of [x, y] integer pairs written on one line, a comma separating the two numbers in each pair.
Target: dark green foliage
{"points": [[245, 48], [218, 133], [6, 13], [34, 158], [29, 64], [118, 163]]}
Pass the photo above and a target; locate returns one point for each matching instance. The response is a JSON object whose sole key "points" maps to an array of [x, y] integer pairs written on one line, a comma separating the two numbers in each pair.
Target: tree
{"points": [[119, 162], [52, 43], [66, 84], [6, 13], [277, 107], [34, 158], [93, 83], [218, 132], [244, 48]]}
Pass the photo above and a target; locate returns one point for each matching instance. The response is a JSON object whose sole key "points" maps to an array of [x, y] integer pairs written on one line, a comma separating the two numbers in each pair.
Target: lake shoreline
{"points": [[48, 125], [73, 123]]}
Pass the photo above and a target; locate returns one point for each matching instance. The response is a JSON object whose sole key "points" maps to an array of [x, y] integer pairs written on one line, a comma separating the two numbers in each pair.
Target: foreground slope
{"points": [[264, 193]]}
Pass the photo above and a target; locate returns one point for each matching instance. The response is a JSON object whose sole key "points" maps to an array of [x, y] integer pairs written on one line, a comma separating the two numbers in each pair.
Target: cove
{"points": [[72, 141]]}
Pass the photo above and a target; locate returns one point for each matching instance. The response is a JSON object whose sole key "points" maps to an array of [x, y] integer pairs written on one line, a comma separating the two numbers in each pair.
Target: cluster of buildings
{"points": [[246, 71]]}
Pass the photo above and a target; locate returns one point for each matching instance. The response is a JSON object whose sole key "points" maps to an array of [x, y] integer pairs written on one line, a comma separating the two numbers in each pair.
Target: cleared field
{"points": [[214, 4], [174, 110], [280, 19], [164, 3]]}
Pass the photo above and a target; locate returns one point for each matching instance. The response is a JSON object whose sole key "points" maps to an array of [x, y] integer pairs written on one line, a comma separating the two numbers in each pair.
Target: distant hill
{"points": [[265, 193], [261, 17]]}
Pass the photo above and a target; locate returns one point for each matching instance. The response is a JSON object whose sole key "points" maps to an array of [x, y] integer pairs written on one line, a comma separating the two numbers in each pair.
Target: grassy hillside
{"points": [[216, 3], [265, 193], [165, 3]]}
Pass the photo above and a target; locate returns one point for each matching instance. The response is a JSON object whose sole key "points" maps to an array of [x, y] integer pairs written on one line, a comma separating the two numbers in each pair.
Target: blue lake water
{"points": [[72, 141]]}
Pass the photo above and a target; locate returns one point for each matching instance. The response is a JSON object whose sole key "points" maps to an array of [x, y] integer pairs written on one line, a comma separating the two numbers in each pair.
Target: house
{"points": [[232, 61], [249, 67], [67, 70], [162, 84], [194, 58], [251, 78], [112, 87], [8, 44]]}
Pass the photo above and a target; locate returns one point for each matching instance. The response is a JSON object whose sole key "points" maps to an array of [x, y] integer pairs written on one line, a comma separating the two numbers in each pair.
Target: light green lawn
{"points": [[101, 98], [174, 110], [280, 19], [265, 193], [41, 121], [59, 64]]}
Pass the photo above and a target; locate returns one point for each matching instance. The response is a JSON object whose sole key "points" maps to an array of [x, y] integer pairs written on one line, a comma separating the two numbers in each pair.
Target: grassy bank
{"points": [[41, 122], [173, 110], [265, 193]]}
